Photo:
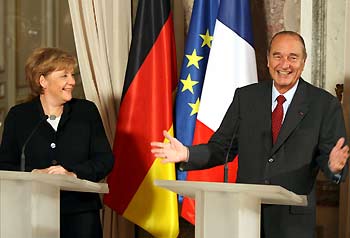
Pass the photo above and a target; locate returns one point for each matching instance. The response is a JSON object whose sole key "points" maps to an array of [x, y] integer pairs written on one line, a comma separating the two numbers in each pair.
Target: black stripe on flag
{"points": [[150, 17]]}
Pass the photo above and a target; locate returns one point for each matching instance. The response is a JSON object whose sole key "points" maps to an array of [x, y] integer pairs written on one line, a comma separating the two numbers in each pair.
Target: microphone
{"points": [[23, 156], [228, 152]]}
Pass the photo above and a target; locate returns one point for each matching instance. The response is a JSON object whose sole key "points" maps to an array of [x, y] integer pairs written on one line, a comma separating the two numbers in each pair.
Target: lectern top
{"points": [[65, 182], [268, 194]]}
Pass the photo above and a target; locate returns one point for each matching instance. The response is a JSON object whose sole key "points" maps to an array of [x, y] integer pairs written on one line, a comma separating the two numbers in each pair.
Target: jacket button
{"points": [[271, 160], [266, 181], [53, 145], [54, 162]]}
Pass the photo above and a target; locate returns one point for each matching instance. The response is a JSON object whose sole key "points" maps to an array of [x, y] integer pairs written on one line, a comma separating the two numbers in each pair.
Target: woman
{"points": [[60, 135]]}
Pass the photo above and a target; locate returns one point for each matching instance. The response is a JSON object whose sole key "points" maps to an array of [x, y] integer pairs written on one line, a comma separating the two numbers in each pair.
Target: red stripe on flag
{"points": [[202, 134], [146, 110]]}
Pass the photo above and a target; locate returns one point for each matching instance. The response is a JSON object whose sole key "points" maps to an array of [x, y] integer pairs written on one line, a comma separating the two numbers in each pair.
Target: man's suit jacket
{"points": [[79, 145], [312, 125]]}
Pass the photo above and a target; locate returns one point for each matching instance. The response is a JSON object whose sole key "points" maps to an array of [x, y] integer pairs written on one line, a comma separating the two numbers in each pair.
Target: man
{"points": [[281, 140]]}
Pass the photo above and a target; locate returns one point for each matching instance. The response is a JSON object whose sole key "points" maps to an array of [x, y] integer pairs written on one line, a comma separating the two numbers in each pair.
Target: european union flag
{"points": [[198, 44], [231, 65]]}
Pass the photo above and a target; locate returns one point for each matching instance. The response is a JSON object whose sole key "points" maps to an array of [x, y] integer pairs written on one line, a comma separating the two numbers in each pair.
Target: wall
{"points": [[323, 25], [27, 25]]}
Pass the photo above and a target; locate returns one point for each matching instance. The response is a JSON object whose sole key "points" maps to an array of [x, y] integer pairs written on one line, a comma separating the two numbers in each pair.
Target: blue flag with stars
{"points": [[194, 65]]}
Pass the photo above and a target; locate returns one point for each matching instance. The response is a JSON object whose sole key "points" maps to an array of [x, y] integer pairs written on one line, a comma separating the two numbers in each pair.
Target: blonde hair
{"points": [[44, 61]]}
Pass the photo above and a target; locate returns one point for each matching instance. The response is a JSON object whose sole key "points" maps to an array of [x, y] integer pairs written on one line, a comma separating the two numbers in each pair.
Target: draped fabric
{"points": [[231, 65], [194, 65], [102, 34], [145, 111]]}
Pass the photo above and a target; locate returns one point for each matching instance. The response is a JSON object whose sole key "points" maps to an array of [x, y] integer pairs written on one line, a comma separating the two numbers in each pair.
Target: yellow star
{"points": [[194, 106], [207, 39], [194, 59], [188, 84]]}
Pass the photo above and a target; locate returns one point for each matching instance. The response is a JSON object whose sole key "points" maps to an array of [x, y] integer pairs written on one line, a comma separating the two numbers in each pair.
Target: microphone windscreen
{"points": [[52, 117]]}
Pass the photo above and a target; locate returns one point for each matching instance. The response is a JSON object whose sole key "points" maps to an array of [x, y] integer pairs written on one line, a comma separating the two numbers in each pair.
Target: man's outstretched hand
{"points": [[173, 151]]}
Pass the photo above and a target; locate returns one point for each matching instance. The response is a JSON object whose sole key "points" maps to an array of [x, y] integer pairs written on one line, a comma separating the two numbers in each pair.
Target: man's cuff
{"points": [[183, 164], [336, 178]]}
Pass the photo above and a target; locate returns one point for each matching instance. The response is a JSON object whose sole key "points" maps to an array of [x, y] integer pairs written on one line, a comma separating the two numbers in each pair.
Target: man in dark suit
{"points": [[284, 131]]}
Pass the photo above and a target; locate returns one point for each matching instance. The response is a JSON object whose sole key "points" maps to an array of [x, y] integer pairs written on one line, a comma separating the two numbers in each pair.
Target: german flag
{"points": [[145, 111]]}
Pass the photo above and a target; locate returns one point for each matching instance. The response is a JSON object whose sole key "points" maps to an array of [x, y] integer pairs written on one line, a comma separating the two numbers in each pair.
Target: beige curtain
{"points": [[102, 34], [344, 205]]}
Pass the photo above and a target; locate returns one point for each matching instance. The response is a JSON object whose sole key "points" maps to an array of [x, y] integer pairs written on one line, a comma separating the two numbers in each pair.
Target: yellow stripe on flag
{"points": [[154, 208]]}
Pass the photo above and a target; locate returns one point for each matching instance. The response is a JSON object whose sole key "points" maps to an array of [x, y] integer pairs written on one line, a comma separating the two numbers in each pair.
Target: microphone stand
{"points": [[228, 153], [23, 156], [226, 160]]}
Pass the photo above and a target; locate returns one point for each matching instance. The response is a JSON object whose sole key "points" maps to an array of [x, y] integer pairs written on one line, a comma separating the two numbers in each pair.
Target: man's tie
{"points": [[277, 116]]}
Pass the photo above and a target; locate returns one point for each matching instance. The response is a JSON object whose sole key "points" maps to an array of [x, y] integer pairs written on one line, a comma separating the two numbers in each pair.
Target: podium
{"points": [[30, 202], [229, 210]]}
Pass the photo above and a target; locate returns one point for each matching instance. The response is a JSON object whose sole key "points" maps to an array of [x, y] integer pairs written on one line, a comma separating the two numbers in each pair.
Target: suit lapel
{"points": [[298, 108], [46, 128], [65, 115], [265, 114]]}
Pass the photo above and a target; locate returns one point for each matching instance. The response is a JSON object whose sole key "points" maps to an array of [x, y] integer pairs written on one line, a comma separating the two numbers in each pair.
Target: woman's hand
{"points": [[58, 169]]}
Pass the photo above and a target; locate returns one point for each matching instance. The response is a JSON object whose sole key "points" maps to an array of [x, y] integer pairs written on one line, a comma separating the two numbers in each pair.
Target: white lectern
{"points": [[229, 210], [30, 202]]}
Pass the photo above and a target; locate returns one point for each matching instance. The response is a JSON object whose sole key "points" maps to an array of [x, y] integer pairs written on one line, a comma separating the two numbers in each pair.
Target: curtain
{"points": [[102, 34]]}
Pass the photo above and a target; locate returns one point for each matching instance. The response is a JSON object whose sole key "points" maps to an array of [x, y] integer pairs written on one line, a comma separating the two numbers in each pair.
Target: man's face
{"points": [[286, 61]]}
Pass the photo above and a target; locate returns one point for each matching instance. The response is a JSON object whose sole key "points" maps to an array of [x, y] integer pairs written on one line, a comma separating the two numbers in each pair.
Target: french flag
{"points": [[231, 64]]}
